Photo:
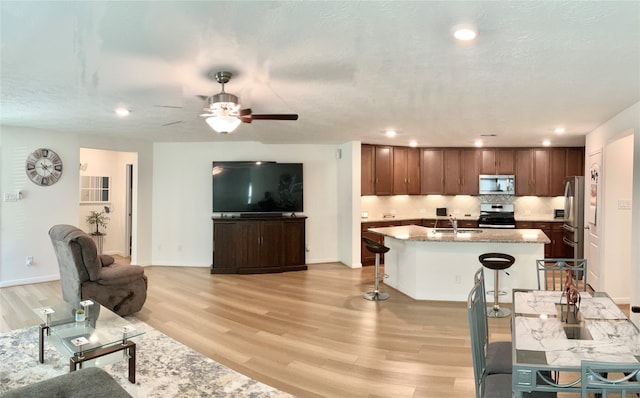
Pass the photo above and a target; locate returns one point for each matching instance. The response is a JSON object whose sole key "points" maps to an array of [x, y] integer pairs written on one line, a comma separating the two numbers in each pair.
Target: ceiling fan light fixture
{"points": [[223, 124]]}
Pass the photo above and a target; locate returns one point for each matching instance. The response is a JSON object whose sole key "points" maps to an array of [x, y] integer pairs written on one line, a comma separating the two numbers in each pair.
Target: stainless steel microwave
{"points": [[497, 184]]}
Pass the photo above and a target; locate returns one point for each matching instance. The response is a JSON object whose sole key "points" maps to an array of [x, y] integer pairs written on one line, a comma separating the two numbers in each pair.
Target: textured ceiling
{"points": [[350, 69]]}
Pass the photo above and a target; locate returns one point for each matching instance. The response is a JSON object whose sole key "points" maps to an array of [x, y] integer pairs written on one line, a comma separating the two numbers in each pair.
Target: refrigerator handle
{"points": [[567, 192], [569, 228], [568, 242]]}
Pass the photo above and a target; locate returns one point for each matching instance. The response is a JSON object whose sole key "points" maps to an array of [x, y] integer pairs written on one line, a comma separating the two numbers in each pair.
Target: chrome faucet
{"points": [[454, 223]]}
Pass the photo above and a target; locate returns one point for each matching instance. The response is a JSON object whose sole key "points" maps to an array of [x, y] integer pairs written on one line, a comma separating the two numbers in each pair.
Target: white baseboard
{"points": [[27, 281]]}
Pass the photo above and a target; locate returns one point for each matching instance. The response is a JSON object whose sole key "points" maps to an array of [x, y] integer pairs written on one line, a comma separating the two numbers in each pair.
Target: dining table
{"points": [[551, 338]]}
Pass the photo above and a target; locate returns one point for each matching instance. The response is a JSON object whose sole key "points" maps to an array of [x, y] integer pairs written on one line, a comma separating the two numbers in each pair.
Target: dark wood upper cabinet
{"points": [[558, 171], [461, 171], [523, 172], [575, 161], [452, 170], [413, 171], [564, 162], [532, 172], [505, 161], [497, 161], [384, 170], [488, 161], [400, 170], [541, 171], [432, 172], [470, 160], [388, 170], [367, 182]]}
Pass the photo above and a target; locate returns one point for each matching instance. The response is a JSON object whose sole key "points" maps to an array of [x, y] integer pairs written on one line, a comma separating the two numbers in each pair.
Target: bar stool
{"points": [[497, 262], [377, 248]]}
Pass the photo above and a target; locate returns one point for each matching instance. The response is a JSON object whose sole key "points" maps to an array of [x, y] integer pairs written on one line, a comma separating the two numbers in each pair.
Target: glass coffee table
{"points": [[87, 335]]}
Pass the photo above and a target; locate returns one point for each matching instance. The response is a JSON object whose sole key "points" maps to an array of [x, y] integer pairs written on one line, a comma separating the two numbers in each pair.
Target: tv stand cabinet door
{"points": [[224, 247], [294, 244], [248, 244], [272, 244]]}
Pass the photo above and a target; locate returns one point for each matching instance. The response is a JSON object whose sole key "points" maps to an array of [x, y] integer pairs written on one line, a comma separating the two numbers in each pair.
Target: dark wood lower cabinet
{"points": [[553, 230], [258, 245]]}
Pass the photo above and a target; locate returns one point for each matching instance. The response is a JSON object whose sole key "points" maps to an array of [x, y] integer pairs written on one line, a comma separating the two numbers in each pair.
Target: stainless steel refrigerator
{"points": [[574, 215]]}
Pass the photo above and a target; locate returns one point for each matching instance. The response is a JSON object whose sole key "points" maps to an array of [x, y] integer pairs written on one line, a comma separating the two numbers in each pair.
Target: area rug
{"points": [[164, 368]]}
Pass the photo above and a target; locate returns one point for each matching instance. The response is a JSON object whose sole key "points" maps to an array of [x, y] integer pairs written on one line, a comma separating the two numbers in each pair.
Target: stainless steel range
{"points": [[497, 215]]}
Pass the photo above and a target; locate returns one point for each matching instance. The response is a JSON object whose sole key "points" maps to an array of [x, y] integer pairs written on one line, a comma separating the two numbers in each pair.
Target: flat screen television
{"points": [[257, 187]]}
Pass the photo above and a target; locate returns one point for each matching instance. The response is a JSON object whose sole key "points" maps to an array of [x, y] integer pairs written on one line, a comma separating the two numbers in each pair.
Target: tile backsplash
{"points": [[406, 206]]}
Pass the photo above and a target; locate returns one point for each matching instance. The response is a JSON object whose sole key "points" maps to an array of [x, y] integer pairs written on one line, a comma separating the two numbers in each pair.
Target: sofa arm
{"points": [[117, 274]]}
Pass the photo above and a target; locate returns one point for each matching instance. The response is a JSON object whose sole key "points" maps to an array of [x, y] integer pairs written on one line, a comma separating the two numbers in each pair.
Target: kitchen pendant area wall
{"points": [[461, 206]]}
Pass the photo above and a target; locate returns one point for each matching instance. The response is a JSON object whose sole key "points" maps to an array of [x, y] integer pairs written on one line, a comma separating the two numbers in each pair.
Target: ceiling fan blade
{"points": [[244, 112], [203, 97], [245, 119], [168, 106], [275, 117], [172, 123]]}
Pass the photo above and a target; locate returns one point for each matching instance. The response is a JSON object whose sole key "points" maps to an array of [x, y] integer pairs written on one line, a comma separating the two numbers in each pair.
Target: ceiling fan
{"points": [[224, 114]]}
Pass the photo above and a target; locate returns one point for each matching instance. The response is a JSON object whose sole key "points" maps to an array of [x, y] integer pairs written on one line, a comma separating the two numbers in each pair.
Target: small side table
{"points": [[99, 236]]}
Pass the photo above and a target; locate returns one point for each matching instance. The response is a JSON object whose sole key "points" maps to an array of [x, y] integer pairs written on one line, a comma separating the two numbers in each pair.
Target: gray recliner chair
{"points": [[86, 275]]}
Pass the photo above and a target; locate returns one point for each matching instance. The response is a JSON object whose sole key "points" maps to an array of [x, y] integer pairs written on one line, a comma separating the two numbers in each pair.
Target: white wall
{"points": [[618, 176], [24, 224], [597, 140], [349, 166], [182, 226]]}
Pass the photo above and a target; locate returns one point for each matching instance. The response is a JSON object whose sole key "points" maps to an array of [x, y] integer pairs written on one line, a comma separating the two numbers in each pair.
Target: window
{"points": [[94, 189]]}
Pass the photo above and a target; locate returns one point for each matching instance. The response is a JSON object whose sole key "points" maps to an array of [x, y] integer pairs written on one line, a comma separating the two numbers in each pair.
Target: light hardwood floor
{"points": [[309, 333]]}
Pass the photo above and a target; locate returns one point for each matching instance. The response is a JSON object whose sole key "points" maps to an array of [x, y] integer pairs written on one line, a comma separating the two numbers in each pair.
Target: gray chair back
{"points": [[477, 313], [77, 258], [552, 272], [609, 377], [478, 279]]}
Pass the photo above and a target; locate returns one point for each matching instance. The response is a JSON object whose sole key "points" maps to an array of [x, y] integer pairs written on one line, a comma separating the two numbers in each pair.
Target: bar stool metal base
{"points": [[499, 312], [376, 296], [377, 248]]}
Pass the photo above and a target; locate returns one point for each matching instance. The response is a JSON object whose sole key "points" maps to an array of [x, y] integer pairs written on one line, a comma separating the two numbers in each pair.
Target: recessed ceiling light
{"points": [[413, 144], [390, 133], [478, 143], [546, 143], [559, 130], [123, 112], [464, 32]]}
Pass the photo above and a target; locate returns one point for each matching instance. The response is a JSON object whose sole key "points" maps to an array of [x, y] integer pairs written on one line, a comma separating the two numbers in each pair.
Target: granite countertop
{"points": [[416, 233], [475, 217], [422, 217]]}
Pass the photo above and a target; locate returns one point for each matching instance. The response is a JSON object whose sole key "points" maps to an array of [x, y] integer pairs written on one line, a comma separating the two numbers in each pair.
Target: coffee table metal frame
{"points": [[81, 356]]}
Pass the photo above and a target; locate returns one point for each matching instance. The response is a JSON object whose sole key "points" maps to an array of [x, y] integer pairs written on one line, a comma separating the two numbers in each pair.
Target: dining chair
{"points": [[486, 385], [552, 272], [498, 353], [624, 378]]}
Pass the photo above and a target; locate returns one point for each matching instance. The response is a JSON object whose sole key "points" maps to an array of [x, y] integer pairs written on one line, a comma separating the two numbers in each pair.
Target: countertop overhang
{"points": [[417, 233]]}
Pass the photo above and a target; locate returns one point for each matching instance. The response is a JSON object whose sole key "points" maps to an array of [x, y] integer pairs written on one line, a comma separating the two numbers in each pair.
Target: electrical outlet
{"points": [[29, 260]]}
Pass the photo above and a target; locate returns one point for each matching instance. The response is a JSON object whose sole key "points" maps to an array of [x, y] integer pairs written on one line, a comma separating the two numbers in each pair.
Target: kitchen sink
{"points": [[460, 230]]}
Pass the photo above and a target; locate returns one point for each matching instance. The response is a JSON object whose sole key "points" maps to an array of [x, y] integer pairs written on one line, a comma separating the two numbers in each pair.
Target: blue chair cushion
{"points": [[499, 358], [497, 386]]}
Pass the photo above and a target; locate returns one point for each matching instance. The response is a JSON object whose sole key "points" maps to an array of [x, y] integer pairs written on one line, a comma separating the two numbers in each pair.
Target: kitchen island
{"points": [[437, 264]]}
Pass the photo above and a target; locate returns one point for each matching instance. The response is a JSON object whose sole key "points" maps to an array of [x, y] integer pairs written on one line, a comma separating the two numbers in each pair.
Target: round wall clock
{"points": [[44, 167]]}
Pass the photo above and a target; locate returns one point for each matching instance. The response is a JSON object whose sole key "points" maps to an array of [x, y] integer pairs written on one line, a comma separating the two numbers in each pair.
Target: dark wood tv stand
{"points": [[254, 245]]}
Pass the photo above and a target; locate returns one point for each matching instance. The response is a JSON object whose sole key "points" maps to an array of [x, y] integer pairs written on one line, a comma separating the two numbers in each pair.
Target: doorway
{"points": [[118, 204]]}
